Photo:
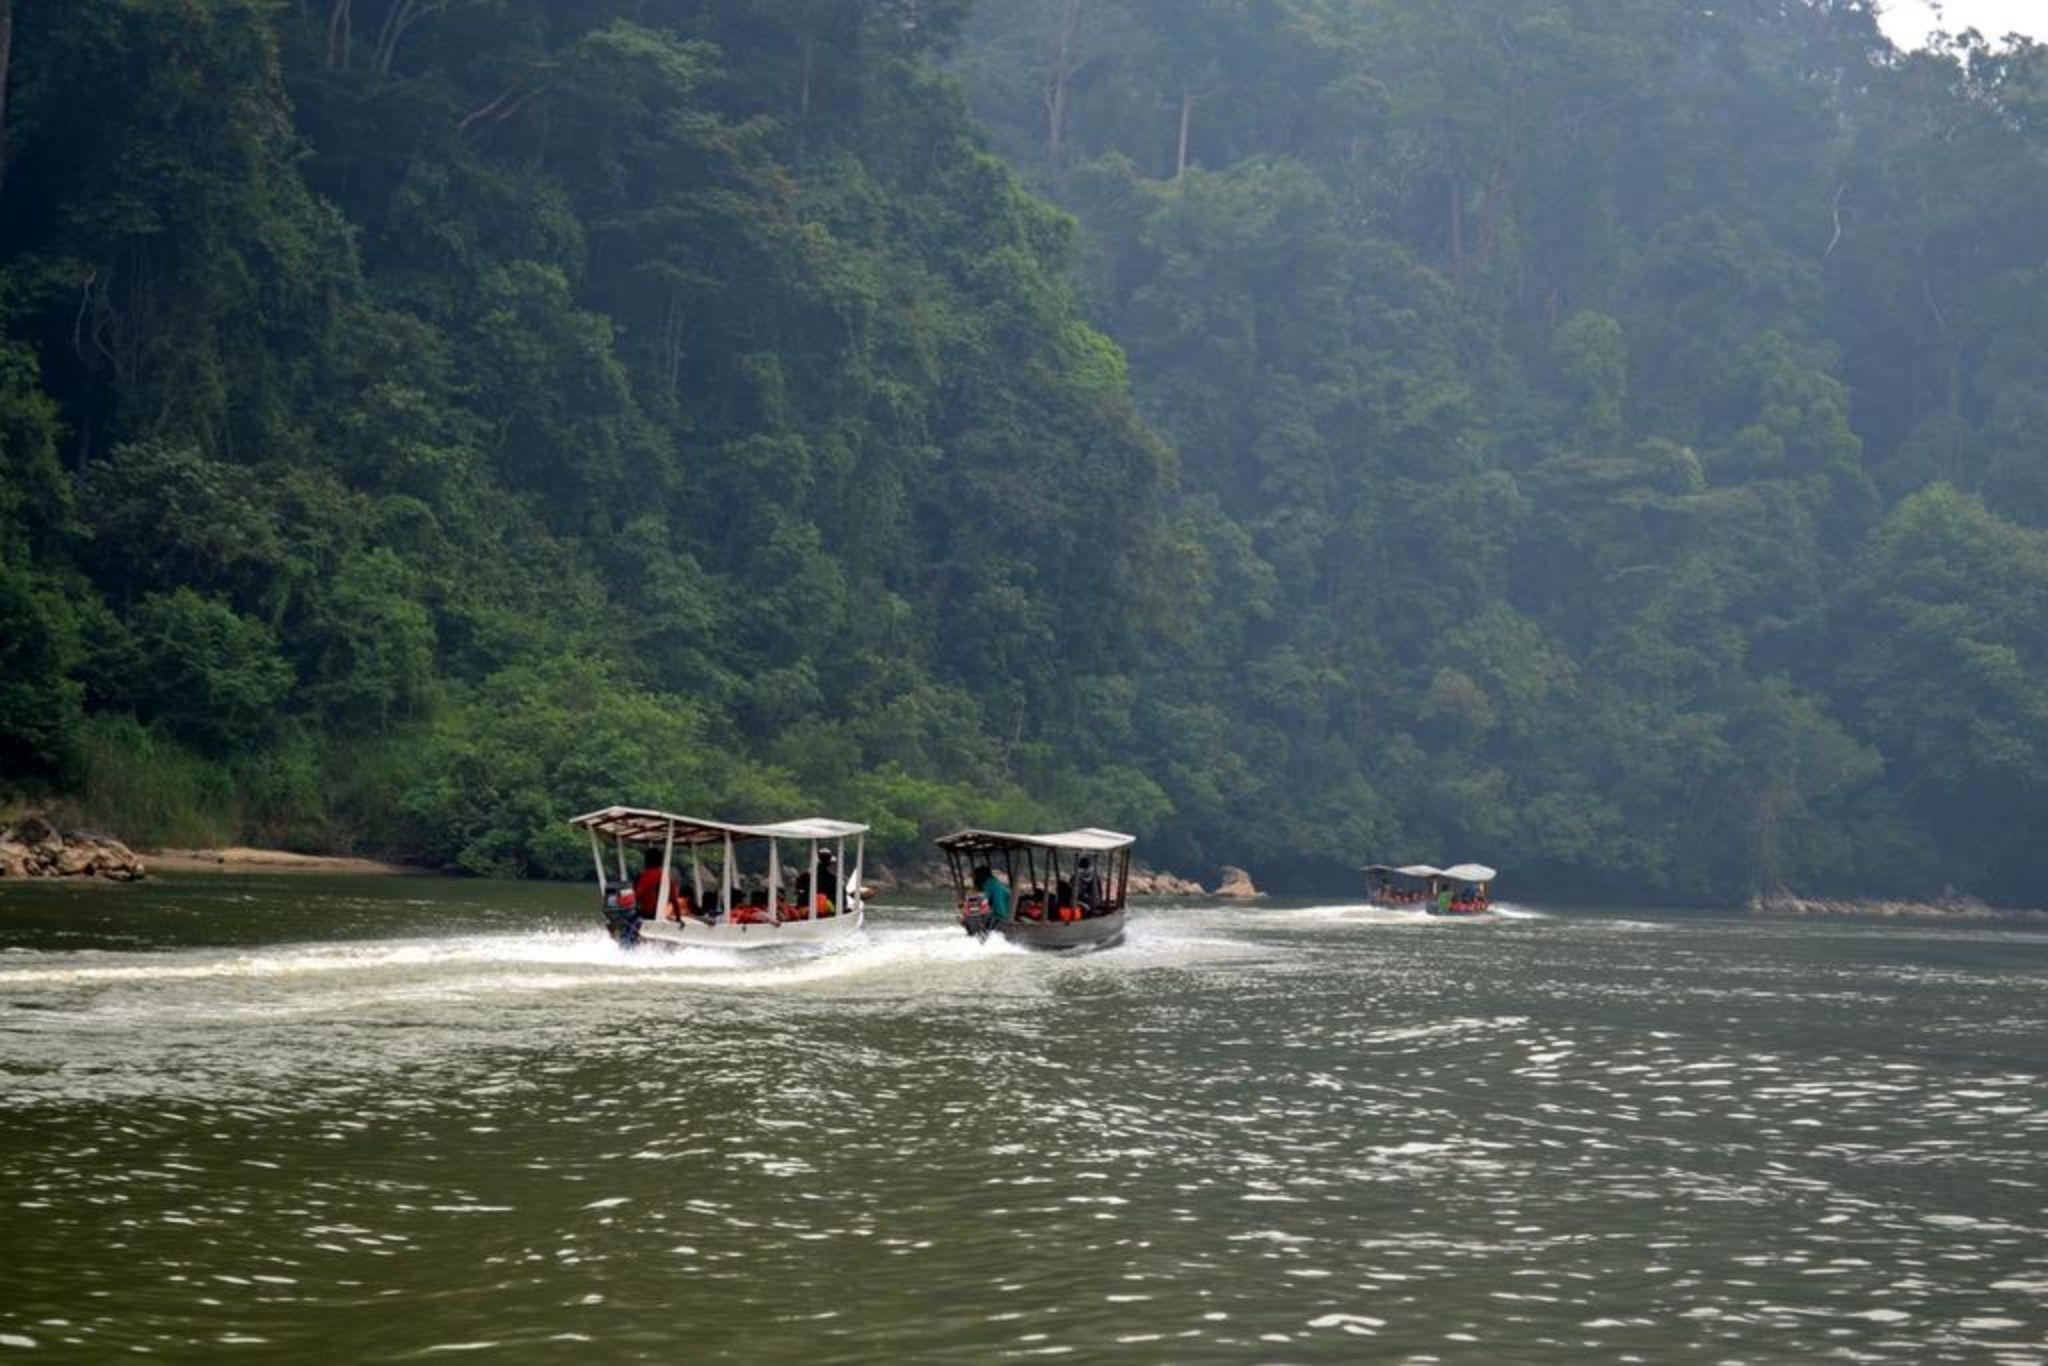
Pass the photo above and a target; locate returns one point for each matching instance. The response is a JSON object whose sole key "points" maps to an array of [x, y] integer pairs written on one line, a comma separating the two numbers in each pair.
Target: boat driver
{"points": [[1087, 891], [996, 890], [647, 886]]}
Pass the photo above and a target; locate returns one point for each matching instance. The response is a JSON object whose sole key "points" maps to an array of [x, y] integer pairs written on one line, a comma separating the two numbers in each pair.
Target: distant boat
{"points": [[808, 900], [1053, 907], [1461, 889]]}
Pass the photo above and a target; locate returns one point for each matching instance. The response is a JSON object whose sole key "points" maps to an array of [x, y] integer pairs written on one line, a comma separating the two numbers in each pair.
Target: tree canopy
{"points": [[1608, 439]]}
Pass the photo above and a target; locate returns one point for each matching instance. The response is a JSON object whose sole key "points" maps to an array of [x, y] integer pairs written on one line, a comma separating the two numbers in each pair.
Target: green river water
{"points": [[345, 1120]]}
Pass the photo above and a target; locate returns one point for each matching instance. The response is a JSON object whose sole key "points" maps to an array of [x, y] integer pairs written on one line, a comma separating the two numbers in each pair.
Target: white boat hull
{"points": [[687, 934]]}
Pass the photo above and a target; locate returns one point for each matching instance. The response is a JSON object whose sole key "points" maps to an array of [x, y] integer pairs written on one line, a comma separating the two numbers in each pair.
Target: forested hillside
{"points": [[1610, 440], [1632, 420]]}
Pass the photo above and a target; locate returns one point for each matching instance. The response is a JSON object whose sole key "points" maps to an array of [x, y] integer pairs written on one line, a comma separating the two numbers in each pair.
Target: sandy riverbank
{"points": [[244, 860], [1951, 908]]}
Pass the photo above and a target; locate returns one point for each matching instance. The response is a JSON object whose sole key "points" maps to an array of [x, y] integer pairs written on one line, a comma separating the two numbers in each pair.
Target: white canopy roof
{"points": [[1087, 840], [638, 825], [1457, 872]]}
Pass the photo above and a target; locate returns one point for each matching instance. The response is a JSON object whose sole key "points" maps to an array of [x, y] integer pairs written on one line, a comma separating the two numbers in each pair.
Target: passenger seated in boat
{"points": [[752, 908], [680, 906], [1031, 905], [826, 897], [810, 895]]}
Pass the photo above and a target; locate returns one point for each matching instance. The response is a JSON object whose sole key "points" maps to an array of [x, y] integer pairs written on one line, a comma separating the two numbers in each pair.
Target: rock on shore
{"points": [[1145, 882], [1237, 883], [32, 847]]}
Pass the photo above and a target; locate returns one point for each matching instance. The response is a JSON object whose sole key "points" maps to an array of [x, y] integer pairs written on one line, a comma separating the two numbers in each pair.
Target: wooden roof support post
{"points": [[668, 853]]}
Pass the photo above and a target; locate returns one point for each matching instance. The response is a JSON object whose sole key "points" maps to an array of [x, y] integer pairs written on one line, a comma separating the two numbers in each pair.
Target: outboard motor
{"points": [[974, 915], [621, 916]]}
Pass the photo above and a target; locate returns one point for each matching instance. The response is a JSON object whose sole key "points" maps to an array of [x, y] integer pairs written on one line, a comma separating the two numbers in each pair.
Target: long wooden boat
{"points": [[808, 899], [1463, 889], [1063, 902]]}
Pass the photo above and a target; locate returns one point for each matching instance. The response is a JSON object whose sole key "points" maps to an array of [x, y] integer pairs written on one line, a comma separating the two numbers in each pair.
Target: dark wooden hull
{"points": [[1070, 936]]}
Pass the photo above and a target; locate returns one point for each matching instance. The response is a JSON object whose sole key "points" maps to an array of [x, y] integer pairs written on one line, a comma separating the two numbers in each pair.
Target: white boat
{"points": [[829, 906], [1053, 908], [1463, 889]]}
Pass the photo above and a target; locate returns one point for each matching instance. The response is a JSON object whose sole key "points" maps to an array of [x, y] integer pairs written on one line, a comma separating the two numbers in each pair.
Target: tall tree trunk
{"points": [[6, 60], [1955, 414], [1764, 877], [339, 22], [1056, 93], [803, 95], [1187, 118], [1492, 211], [1457, 230], [1952, 366], [403, 16]]}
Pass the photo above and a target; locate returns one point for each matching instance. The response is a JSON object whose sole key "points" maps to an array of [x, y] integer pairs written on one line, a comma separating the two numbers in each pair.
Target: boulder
{"points": [[39, 835], [32, 847], [114, 860], [75, 860], [1146, 882], [1237, 883]]}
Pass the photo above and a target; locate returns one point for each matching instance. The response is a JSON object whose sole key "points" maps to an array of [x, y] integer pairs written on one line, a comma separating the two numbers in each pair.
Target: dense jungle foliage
{"points": [[1609, 439]]}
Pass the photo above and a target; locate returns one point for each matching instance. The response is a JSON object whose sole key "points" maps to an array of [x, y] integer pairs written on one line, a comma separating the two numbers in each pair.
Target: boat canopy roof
{"points": [[1457, 872], [1087, 840], [638, 825]]}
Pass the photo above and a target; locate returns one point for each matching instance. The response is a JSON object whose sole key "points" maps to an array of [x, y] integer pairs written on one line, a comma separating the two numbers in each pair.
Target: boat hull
{"points": [[1483, 913], [687, 934], [1069, 936]]}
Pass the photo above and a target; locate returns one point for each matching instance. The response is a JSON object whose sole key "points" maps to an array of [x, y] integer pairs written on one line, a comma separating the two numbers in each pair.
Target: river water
{"points": [[339, 1120]]}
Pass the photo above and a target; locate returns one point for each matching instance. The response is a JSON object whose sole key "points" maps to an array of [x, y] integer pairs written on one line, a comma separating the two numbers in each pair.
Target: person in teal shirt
{"points": [[997, 892]]}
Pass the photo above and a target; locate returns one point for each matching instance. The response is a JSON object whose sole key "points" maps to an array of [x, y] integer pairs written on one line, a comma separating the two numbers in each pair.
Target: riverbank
{"points": [[1946, 908], [240, 859]]}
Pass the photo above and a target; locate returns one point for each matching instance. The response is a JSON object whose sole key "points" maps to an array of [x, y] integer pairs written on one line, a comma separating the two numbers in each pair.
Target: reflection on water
{"points": [[348, 1120]]}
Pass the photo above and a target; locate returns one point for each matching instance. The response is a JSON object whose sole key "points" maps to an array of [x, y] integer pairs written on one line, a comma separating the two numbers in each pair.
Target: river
{"points": [[393, 1119]]}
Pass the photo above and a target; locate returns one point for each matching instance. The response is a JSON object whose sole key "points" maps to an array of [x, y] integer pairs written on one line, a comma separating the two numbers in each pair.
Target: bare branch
{"points": [[1836, 240]]}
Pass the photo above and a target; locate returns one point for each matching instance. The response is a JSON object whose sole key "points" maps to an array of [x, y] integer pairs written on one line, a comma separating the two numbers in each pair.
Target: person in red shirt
{"points": [[647, 888]]}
